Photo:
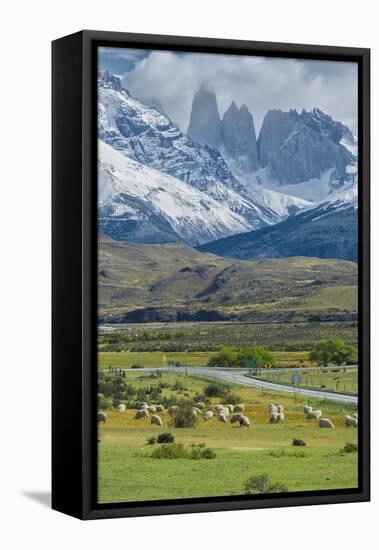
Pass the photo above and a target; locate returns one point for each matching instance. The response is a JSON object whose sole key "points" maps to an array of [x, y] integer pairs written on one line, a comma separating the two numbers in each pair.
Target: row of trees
{"points": [[333, 351]]}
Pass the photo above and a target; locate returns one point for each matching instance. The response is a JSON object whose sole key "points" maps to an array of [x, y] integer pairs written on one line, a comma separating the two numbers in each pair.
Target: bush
{"points": [[151, 440], [136, 367], [175, 450], [262, 484], [208, 453], [185, 418], [165, 438], [178, 450], [216, 390], [350, 448], [298, 443]]}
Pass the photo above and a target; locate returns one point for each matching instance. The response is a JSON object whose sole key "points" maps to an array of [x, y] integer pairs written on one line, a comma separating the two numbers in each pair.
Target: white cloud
{"points": [[261, 83]]}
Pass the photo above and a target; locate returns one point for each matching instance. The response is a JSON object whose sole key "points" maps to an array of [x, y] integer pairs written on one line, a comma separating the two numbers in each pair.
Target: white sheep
{"points": [[199, 405], [152, 408], [196, 411], [325, 423], [121, 408], [273, 418], [244, 421], [280, 408], [208, 416], [141, 413], [235, 418], [142, 405], [239, 408], [224, 411], [355, 415], [351, 421], [231, 408], [218, 408], [280, 417], [159, 408], [222, 417], [307, 409], [272, 408], [155, 419]]}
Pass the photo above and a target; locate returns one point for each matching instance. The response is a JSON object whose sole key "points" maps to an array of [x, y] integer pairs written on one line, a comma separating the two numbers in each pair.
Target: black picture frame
{"points": [[74, 272]]}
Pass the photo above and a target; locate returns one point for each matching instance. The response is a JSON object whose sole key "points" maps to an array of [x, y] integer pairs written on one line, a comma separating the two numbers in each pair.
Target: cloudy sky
{"points": [[261, 83]]}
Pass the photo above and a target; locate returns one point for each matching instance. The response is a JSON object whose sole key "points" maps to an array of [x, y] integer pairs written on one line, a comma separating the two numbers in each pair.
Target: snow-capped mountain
{"points": [[138, 203], [148, 137]]}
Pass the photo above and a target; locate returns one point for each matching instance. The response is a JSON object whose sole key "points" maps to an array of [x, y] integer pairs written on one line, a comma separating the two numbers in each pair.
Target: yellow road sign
{"points": [[268, 365], [164, 357]]}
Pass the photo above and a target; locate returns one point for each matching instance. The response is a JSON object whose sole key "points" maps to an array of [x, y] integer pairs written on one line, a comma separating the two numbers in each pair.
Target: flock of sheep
{"points": [[222, 412]]}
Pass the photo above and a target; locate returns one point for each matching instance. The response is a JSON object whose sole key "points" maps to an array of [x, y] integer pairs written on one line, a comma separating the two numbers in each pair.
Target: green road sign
{"points": [[250, 363]]}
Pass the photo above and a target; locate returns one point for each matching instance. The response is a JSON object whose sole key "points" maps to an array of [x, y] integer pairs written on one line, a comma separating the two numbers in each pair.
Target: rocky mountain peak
{"points": [[238, 137], [205, 124], [110, 81]]}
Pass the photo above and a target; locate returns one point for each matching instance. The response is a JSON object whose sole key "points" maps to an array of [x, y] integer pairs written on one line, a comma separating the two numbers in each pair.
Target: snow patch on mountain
{"points": [[193, 216]]}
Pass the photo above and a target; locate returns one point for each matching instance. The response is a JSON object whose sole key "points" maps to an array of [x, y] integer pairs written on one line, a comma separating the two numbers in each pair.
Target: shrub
{"points": [[151, 440], [165, 438], [208, 453], [298, 442], [216, 390], [175, 450], [136, 367], [185, 418], [350, 448], [262, 484]]}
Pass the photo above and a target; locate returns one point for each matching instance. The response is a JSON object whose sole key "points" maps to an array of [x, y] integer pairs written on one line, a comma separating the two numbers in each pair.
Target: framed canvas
{"points": [[210, 275]]}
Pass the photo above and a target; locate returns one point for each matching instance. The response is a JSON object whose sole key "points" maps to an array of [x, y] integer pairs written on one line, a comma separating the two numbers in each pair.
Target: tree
{"points": [[334, 351], [235, 357]]}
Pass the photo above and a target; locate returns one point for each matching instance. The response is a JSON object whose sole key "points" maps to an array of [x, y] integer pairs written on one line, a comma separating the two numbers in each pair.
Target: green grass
{"points": [[128, 473], [335, 381], [126, 359]]}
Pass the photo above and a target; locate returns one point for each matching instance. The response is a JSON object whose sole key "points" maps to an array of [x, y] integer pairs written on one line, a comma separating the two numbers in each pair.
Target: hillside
{"points": [[174, 282], [327, 231]]}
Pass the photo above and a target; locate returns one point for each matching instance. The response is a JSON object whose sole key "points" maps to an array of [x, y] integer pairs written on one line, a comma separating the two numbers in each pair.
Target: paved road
{"points": [[237, 376]]}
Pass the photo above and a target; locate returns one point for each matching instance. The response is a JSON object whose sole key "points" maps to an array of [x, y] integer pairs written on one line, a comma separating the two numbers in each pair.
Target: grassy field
{"points": [[128, 473], [126, 359], [335, 381]]}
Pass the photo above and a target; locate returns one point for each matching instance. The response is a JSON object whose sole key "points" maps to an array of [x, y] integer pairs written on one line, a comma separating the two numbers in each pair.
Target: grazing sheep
{"points": [[244, 421], [121, 408], [325, 423], [239, 408], [141, 413], [273, 418], [101, 417], [142, 405], [307, 409], [159, 408], [196, 410], [224, 411], [272, 408], [199, 405], [280, 408], [218, 408], [155, 419], [314, 415], [280, 417], [355, 415], [351, 421], [235, 418], [222, 417], [231, 408], [208, 416], [152, 408]]}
